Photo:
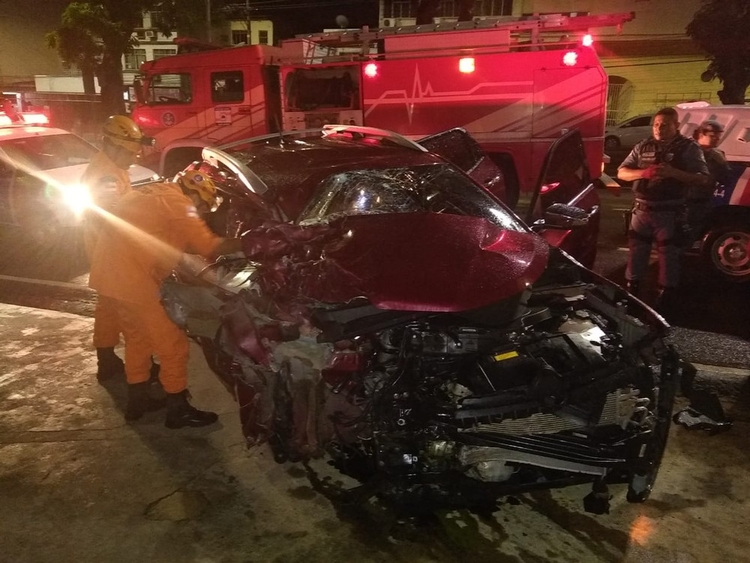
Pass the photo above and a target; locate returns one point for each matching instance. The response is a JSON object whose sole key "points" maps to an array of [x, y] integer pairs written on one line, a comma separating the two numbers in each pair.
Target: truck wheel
{"points": [[726, 249], [611, 144]]}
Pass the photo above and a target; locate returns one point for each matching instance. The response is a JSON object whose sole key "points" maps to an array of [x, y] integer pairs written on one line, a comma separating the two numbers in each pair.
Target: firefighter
{"points": [[661, 167], [141, 244], [107, 179]]}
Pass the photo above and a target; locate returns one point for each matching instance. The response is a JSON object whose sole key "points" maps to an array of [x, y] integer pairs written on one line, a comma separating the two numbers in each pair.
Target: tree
{"points": [[720, 28], [94, 36]]}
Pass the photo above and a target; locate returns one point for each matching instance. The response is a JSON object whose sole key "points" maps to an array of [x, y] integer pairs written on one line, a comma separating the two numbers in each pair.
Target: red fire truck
{"points": [[516, 84]]}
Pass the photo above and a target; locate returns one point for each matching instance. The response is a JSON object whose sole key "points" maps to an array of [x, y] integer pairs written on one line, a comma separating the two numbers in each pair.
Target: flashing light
{"points": [[588, 40], [371, 70], [466, 65], [570, 58], [77, 197], [35, 119]]}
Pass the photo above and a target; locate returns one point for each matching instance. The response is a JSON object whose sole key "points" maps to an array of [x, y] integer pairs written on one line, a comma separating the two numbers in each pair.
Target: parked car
{"points": [[40, 168], [393, 313], [626, 134]]}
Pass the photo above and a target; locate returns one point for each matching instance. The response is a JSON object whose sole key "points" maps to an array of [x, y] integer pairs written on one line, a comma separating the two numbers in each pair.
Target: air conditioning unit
{"points": [[150, 34], [386, 23]]}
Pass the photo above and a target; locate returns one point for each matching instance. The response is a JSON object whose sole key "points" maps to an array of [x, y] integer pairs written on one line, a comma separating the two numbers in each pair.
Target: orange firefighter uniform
{"points": [[107, 183], [152, 228]]}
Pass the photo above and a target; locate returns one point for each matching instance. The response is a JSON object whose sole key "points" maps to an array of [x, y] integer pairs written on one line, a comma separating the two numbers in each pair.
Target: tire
{"points": [[726, 250], [611, 144]]}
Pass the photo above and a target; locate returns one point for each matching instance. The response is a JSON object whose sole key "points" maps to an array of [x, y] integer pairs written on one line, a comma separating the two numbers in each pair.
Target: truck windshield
{"points": [[169, 88]]}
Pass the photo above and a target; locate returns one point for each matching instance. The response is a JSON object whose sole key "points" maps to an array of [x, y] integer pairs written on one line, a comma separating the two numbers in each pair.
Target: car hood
{"points": [[409, 262], [72, 174]]}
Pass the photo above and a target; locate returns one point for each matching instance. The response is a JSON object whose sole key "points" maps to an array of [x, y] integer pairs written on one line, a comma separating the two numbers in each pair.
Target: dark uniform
{"points": [[659, 209], [699, 197]]}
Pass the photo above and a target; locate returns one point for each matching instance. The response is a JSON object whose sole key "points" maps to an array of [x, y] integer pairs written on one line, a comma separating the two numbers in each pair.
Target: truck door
{"points": [[564, 179], [172, 108]]}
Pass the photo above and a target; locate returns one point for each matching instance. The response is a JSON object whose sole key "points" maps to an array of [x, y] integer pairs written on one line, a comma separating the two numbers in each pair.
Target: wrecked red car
{"points": [[391, 313]]}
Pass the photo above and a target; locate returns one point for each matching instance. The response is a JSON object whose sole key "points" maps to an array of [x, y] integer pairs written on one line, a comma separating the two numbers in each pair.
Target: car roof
{"points": [[24, 131], [292, 166]]}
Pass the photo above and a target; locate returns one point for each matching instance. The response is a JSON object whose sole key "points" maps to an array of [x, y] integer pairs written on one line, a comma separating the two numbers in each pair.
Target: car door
{"points": [[564, 179], [459, 148]]}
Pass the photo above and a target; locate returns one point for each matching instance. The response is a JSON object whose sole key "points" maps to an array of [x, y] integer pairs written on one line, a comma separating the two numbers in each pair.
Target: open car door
{"points": [[564, 206], [459, 148]]}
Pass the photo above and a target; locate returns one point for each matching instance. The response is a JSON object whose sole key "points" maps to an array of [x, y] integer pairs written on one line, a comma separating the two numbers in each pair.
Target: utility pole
{"points": [[208, 21]]}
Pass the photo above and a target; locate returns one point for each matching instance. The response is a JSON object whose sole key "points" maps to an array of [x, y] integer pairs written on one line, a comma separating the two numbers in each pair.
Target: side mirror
{"points": [[138, 88]]}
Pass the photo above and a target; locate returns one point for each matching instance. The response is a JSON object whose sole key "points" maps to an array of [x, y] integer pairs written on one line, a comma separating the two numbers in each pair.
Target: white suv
{"points": [[40, 168]]}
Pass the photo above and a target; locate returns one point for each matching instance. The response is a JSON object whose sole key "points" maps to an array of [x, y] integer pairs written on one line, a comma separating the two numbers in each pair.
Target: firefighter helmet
{"points": [[198, 182], [123, 132]]}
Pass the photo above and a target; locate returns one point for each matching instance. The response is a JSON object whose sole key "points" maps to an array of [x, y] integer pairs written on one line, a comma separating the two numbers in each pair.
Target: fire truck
{"points": [[515, 84]]}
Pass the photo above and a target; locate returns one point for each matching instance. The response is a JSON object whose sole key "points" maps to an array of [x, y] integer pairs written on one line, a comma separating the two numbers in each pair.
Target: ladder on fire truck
{"points": [[507, 33]]}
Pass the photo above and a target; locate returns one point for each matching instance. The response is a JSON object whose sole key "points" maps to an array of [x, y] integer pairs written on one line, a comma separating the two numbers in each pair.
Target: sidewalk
{"points": [[78, 484]]}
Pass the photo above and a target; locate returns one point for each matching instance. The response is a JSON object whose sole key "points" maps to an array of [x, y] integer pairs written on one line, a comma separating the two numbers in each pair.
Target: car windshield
{"points": [[45, 152], [436, 188]]}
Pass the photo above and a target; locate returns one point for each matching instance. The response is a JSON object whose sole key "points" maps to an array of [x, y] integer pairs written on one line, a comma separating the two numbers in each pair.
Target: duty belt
{"points": [[669, 205]]}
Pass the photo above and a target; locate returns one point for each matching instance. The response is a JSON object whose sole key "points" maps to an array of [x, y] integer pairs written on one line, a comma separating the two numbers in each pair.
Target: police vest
{"points": [[654, 152]]}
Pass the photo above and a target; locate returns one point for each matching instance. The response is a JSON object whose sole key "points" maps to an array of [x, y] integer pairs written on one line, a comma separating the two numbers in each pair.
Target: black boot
{"points": [[633, 287], [181, 413], [666, 300], [109, 365], [140, 402]]}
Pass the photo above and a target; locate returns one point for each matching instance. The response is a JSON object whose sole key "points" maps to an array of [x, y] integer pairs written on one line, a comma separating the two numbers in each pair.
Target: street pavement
{"points": [[79, 484]]}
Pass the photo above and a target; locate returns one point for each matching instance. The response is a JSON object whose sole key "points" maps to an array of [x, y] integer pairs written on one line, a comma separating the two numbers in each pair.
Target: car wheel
{"points": [[726, 249], [611, 143]]}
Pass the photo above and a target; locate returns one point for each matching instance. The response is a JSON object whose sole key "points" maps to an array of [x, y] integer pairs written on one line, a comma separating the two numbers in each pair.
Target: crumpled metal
{"points": [[704, 413]]}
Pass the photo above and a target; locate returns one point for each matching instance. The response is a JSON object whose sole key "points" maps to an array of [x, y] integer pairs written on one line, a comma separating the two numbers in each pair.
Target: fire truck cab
{"points": [[209, 98], [515, 84]]}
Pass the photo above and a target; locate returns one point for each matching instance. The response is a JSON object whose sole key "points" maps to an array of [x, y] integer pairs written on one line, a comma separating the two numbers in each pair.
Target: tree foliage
{"points": [[94, 36], [720, 27]]}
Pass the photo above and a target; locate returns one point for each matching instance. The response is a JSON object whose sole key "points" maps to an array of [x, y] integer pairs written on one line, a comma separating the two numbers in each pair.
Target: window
{"points": [[134, 60], [263, 37], [227, 86], [401, 9], [239, 36], [161, 53], [493, 7], [170, 89], [448, 9]]}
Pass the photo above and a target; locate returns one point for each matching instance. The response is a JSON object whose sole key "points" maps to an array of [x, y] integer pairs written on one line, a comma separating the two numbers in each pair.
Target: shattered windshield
{"points": [[437, 188]]}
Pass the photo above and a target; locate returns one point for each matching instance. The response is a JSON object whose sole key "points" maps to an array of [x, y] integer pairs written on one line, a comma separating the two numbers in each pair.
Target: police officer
{"points": [[699, 196], [107, 178], [138, 248], [662, 168]]}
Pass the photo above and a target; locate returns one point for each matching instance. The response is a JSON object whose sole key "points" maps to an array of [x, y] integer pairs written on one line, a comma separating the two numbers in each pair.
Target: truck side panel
{"points": [[508, 101]]}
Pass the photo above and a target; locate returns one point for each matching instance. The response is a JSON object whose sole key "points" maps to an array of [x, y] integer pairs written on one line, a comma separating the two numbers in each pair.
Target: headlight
{"points": [[77, 197]]}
